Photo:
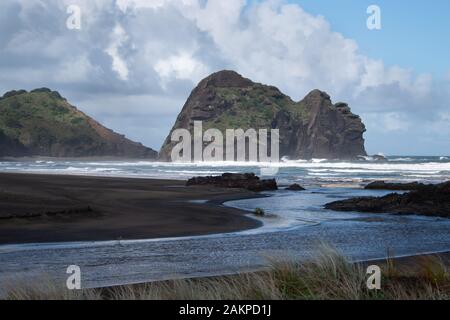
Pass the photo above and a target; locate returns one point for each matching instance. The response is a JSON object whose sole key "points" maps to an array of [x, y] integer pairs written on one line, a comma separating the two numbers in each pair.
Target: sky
{"points": [[413, 33], [131, 64]]}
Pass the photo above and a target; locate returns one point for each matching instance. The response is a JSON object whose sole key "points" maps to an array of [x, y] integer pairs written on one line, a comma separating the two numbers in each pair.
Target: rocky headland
{"points": [[43, 123], [427, 200], [311, 128]]}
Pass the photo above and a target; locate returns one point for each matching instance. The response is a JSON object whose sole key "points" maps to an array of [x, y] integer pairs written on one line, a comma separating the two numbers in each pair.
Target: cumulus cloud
{"points": [[134, 58], [118, 40], [181, 66]]}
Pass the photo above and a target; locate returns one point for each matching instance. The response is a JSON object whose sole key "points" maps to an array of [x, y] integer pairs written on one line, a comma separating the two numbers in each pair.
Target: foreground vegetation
{"points": [[328, 276]]}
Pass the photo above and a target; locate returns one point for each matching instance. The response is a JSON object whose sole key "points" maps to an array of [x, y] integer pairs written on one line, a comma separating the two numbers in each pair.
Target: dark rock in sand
{"points": [[428, 200], [295, 187], [381, 185], [247, 181]]}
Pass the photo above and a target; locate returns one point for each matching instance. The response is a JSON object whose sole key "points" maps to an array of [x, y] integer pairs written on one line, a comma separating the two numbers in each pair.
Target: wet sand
{"points": [[53, 208]]}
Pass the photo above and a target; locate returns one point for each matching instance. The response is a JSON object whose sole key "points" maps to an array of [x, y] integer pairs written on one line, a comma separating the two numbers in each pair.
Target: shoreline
{"points": [[115, 208], [179, 204], [14, 247]]}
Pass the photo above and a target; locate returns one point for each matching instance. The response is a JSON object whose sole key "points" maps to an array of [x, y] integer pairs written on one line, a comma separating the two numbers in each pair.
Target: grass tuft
{"points": [[327, 276]]}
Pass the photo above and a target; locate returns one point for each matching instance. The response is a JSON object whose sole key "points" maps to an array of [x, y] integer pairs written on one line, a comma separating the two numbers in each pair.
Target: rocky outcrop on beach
{"points": [[379, 158], [311, 128], [381, 185], [43, 123], [295, 187], [247, 181], [373, 158], [428, 200]]}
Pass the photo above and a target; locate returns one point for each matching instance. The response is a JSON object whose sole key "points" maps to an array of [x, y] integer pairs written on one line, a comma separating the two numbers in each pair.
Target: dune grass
{"points": [[329, 275]]}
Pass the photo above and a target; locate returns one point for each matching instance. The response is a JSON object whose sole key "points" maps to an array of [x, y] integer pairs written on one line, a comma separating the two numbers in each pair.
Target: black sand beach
{"points": [[54, 208]]}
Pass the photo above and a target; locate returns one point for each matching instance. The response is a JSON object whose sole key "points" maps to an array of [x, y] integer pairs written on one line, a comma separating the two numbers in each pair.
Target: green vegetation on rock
{"points": [[254, 107], [42, 123], [311, 128]]}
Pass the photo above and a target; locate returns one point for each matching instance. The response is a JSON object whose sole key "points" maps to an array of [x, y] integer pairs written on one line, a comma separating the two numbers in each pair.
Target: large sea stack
{"points": [[311, 128], [42, 123]]}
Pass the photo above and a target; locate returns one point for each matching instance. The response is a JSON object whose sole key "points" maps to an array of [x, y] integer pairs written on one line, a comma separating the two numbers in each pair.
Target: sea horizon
{"points": [[395, 168]]}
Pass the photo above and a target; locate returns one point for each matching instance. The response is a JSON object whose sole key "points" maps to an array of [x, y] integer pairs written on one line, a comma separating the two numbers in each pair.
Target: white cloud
{"points": [[125, 5], [278, 43], [118, 39], [181, 66], [136, 52]]}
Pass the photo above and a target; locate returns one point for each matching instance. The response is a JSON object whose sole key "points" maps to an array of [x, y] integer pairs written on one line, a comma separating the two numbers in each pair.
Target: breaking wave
{"points": [[313, 171]]}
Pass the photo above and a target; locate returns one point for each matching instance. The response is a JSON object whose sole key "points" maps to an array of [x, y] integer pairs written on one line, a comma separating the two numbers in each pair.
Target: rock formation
{"points": [[247, 181], [311, 128], [381, 185], [428, 200], [42, 123], [295, 187]]}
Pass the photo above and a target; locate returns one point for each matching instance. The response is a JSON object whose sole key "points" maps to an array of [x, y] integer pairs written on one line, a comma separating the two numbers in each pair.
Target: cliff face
{"points": [[42, 123], [331, 131], [311, 128]]}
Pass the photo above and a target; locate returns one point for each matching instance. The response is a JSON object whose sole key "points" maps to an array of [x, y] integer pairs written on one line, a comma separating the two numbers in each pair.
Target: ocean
{"points": [[296, 222], [312, 172]]}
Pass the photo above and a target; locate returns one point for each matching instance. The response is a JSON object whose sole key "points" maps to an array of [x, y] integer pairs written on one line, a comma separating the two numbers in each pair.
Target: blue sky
{"points": [[133, 63], [415, 34]]}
